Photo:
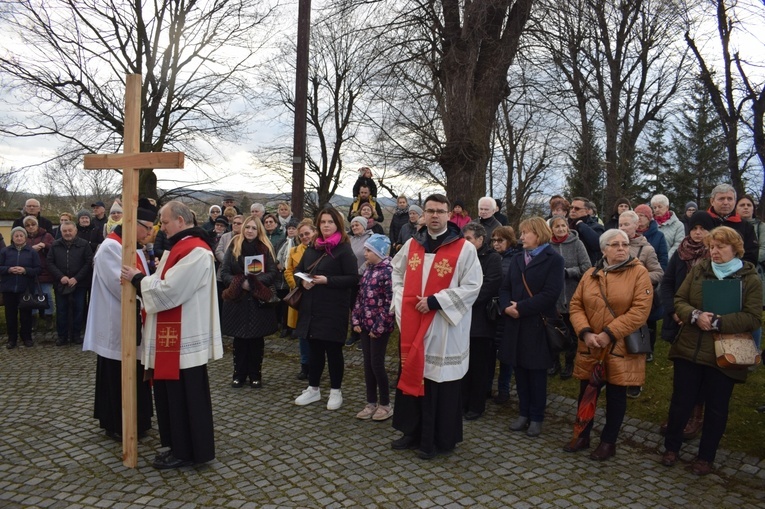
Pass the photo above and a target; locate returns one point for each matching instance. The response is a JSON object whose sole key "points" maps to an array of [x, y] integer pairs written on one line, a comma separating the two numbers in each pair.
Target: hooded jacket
{"points": [[630, 294]]}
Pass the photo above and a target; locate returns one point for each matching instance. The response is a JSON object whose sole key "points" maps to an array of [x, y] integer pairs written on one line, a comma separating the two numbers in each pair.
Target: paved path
{"points": [[271, 453]]}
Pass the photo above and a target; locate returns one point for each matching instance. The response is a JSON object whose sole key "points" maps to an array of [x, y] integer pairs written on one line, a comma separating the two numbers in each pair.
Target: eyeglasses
{"points": [[148, 227], [497, 240], [305, 234], [434, 212], [615, 245], [577, 208]]}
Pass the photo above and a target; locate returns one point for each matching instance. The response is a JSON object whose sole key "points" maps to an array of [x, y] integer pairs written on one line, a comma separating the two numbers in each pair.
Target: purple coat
{"points": [[372, 309]]}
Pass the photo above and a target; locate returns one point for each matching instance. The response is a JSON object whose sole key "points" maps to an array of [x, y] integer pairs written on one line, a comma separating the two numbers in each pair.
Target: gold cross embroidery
{"points": [[415, 261], [168, 337], [443, 267]]}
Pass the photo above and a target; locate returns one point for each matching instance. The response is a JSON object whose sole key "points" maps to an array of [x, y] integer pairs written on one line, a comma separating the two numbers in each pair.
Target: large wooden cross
{"points": [[131, 161]]}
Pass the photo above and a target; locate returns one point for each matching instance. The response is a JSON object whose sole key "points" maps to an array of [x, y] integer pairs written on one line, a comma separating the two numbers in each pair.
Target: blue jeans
{"points": [[305, 349], [70, 307], [532, 392]]}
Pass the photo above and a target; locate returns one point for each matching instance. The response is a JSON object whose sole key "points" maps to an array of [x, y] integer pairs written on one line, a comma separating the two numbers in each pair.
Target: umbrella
{"points": [[589, 402]]}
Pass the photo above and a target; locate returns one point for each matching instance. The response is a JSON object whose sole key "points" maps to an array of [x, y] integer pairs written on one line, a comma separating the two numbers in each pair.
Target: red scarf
{"points": [[167, 365], [414, 324], [733, 217], [556, 240], [663, 218]]}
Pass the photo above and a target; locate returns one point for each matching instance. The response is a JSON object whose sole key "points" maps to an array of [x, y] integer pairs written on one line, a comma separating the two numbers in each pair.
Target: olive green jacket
{"points": [[697, 346]]}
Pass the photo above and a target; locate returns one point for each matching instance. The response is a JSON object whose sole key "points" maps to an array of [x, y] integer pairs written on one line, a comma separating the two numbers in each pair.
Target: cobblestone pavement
{"points": [[271, 453]]}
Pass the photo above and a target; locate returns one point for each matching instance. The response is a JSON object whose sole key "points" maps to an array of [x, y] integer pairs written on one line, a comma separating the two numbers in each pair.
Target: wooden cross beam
{"points": [[131, 162]]}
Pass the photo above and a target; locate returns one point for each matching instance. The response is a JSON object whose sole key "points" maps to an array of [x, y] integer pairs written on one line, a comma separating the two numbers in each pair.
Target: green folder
{"points": [[721, 296]]}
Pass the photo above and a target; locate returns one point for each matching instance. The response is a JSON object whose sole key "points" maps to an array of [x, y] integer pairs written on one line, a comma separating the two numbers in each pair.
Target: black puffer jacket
{"points": [[491, 265]]}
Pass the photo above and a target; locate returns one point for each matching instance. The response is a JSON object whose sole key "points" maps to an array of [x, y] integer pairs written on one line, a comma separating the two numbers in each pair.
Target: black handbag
{"points": [[556, 330], [638, 341], [34, 298]]}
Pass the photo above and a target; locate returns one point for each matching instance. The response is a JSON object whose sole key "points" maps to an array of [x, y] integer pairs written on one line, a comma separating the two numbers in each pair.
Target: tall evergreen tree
{"points": [[653, 166], [699, 151], [585, 176]]}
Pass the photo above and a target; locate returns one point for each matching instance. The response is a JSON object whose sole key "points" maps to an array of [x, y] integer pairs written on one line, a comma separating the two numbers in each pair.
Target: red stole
{"points": [[414, 324], [167, 364], [138, 262]]}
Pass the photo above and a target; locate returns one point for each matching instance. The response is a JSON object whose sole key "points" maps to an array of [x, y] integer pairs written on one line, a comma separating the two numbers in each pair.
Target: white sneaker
{"points": [[335, 399], [308, 396]]}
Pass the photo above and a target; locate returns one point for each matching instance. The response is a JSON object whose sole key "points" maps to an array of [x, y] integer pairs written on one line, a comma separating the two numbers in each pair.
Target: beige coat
{"points": [[641, 249], [630, 294]]}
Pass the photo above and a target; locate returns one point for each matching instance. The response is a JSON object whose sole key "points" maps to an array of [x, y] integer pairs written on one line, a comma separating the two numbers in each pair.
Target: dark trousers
{"points": [[70, 312], [184, 415], [532, 392], [616, 407], [375, 376], [13, 315], [333, 351], [434, 419], [691, 381], [477, 378], [248, 358]]}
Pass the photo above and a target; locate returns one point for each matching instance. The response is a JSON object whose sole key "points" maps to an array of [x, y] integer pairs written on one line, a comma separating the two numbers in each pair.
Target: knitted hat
{"points": [[116, 207], [366, 204], [645, 210], [691, 204], [416, 209], [293, 223], [378, 244], [19, 229], [83, 213], [361, 220], [702, 218], [459, 203], [214, 207]]}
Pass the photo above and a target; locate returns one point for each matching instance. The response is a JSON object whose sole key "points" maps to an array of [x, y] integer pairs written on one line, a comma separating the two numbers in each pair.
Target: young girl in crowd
{"points": [[372, 319]]}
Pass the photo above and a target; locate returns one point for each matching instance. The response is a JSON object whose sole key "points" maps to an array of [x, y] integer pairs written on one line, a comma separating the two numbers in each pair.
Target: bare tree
{"points": [[342, 62], [622, 61], [69, 66]]}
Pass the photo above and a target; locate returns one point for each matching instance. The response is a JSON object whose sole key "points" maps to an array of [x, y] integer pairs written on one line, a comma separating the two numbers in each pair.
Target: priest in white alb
{"points": [[181, 334], [436, 280]]}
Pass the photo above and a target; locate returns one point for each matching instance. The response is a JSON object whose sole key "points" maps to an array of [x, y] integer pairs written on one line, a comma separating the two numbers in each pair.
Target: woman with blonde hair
{"points": [[306, 231], [246, 316], [529, 292]]}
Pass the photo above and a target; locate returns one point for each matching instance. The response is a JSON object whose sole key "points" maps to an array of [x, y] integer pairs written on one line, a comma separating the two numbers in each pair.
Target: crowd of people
{"points": [[467, 295]]}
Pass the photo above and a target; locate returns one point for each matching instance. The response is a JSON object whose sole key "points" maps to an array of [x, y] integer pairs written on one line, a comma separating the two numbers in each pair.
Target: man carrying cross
{"points": [[436, 280], [180, 335]]}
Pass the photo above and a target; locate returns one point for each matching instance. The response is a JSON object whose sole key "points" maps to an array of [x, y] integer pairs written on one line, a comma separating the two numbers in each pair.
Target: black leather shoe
{"points": [[425, 455], [405, 442], [256, 384], [577, 444], [114, 435], [237, 383], [11, 345], [163, 455], [471, 416], [170, 461], [62, 342]]}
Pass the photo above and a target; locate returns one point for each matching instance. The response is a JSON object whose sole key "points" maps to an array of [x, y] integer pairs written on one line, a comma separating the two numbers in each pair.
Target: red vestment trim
{"points": [[167, 364], [414, 324]]}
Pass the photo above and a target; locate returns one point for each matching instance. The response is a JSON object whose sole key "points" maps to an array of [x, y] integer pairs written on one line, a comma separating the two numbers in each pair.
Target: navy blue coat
{"points": [[524, 343], [12, 257]]}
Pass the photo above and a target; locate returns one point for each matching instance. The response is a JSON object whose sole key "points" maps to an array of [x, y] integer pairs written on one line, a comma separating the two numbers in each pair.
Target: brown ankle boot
{"points": [[693, 427]]}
